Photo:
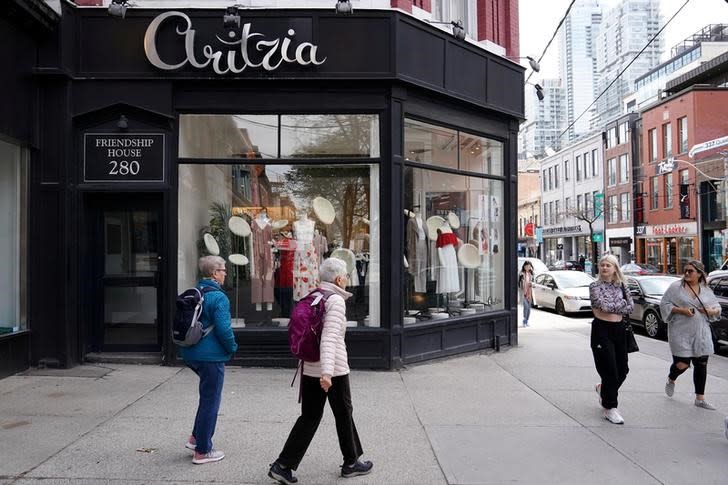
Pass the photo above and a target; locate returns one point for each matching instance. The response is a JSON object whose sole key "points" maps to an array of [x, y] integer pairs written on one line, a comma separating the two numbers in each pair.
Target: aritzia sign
{"points": [[243, 49]]}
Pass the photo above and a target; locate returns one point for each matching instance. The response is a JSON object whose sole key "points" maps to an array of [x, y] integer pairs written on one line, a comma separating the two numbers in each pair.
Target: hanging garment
{"points": [[322, 245], [261, 284], [448, 280], [283, 278], [417, 253]]}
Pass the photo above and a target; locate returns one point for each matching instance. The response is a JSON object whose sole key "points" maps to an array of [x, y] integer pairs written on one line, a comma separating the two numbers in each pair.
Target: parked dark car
{"points": [[639, 269], [566, 266], [647, 293], [719, 285]]}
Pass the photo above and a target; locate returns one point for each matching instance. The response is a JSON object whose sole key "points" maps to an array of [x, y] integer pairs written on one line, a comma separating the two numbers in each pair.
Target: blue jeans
{"points": [[526, 310], [212, 375]]}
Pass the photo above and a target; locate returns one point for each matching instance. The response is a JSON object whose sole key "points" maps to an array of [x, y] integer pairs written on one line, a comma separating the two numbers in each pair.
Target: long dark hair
{"points": [[523, 267]]}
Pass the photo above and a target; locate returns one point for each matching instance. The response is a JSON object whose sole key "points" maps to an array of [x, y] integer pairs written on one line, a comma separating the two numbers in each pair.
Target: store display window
{"points": [[13, 241], [453, 260], [435, 145], [275, 223]]}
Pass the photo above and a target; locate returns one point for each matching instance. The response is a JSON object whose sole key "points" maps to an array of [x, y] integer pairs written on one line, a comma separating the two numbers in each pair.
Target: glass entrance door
{"points": [[128, 266]]}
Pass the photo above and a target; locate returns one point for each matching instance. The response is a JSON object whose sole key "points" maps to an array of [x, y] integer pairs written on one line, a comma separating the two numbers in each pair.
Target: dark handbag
{"points": [[628, 331]]}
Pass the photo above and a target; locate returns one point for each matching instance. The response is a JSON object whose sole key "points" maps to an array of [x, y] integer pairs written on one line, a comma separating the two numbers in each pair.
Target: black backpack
{"points": [[186, 328]]}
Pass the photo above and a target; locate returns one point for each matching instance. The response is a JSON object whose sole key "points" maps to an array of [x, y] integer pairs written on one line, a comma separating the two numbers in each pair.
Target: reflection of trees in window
{"points": [[325, 136], [347, 188]]}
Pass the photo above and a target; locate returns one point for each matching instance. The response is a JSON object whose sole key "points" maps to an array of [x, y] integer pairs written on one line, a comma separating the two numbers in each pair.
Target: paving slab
{"points": [[675, 457], [496, 455], [28, 441]]}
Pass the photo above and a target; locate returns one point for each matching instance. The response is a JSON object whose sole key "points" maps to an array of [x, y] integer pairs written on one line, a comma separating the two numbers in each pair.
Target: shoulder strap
{"points": [[701, 301]]}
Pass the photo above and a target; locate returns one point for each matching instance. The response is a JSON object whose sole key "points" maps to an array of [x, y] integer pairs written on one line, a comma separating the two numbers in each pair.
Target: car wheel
{"points": [[652, 324], [560, 307]]}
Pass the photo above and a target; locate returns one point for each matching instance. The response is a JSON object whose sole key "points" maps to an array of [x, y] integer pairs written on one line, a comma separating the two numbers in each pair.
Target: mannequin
{"points": [[261, 284], [305, 260], [417, 250], [448, 280]]}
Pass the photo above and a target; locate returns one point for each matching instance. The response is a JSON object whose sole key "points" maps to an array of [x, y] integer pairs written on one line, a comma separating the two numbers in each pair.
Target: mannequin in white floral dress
{"points": [[305, 259]]}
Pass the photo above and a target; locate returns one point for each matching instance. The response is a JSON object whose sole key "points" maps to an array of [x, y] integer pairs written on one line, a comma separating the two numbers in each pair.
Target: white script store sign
{"points": [[243, 49]]}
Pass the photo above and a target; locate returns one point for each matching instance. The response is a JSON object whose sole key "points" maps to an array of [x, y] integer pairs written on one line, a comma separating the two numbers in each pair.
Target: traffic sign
{"points": [[598, 237]]}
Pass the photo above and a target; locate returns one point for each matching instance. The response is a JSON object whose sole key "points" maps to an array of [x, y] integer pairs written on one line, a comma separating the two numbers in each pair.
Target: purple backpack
{"points": [[306, 324]]}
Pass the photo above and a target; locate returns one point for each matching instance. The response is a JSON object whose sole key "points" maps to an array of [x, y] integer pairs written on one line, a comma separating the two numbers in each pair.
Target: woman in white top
{"points": [[326, 379]]}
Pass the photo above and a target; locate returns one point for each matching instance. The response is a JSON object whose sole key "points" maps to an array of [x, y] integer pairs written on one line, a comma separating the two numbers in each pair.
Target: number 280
{"points": [[124, 167]]}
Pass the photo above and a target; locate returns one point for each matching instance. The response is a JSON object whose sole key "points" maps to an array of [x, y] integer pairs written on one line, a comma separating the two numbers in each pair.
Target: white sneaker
{"points": [[209, 457], [613, 416]]}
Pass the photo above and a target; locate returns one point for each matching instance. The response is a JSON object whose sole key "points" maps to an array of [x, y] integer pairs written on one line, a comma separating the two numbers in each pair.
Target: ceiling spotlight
{"points": [[117, 8], [344, 6], [458, 31], [231, 19]]}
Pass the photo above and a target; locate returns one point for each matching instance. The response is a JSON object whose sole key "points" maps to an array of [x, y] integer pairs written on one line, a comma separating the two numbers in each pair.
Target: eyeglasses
{"points": [[688, 271], [221, 269]]}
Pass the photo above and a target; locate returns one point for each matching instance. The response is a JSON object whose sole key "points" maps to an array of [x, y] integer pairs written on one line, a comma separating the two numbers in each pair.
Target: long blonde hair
{"points": [[611, 259]]}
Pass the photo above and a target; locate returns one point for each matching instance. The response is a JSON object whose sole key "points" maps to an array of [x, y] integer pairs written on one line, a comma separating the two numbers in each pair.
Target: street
{"points": [[524, 415]]}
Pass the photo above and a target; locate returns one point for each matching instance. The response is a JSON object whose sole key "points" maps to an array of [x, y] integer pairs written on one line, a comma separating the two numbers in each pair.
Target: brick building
{"points": [[670, 183], [621, 149]]}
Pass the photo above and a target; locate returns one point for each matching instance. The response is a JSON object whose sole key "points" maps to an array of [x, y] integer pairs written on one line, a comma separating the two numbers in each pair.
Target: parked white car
{"points": [[564, 291], [722, 271]]}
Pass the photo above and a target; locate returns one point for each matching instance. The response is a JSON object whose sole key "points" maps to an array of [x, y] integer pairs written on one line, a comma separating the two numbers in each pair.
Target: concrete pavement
{"points": [[524, 415]]}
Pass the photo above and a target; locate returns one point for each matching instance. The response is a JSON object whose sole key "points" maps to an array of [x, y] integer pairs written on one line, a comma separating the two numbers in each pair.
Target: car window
{"points": [[633, 285], [547, 280], [573, 279], [539, 279], [720, 287]]}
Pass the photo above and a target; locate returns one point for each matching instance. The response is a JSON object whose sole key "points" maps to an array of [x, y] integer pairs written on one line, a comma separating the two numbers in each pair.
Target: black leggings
{"points": [[700, 371]]}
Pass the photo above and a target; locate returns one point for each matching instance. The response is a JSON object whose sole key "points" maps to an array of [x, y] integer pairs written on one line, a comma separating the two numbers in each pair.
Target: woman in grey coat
{"points": [[688, 306]]}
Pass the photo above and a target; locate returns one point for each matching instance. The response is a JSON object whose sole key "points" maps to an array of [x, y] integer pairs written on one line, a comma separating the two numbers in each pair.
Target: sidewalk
{"points": [[525, 415]]}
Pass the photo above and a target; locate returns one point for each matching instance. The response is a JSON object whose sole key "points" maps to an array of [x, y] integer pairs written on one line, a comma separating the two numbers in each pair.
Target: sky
{"points": [[539, 18]]}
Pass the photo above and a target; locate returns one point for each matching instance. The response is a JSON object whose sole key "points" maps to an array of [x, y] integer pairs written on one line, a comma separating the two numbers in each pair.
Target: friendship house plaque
{"points": [[123, 157]]}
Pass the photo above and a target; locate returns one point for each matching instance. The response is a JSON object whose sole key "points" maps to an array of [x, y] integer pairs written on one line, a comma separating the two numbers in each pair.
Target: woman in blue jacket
{"points": [[207, 359]]}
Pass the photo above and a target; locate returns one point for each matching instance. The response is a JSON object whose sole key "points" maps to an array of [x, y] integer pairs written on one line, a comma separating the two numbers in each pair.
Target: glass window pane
{"points": [[482, 155], [289, 234], [454, 231], [13, 243], [433, 145], [228, 136], [329, 136]]}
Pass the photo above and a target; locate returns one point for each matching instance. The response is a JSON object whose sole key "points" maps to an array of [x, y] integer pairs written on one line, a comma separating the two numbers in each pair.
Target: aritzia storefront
{"points": [[276, 142]]}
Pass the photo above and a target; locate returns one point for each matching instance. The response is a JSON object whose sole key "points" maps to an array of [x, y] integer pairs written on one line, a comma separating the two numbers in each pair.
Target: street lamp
{"points": [[531, 62], [458, 31]]}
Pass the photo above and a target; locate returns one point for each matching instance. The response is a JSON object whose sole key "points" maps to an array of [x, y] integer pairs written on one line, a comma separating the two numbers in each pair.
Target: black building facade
{"points": [[273, 142]]}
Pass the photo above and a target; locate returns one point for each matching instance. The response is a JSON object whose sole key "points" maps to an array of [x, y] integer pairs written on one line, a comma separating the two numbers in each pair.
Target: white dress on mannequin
{"points": [[448, 280]]}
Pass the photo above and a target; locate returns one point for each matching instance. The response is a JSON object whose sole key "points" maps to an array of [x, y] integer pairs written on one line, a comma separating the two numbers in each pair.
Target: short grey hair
{"points": [[331, 269], [208, 265]]}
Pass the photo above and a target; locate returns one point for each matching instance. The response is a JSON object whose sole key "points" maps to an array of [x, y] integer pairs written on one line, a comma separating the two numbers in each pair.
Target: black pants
{"points": [[313, 401], [609, 347], [700, 371]]}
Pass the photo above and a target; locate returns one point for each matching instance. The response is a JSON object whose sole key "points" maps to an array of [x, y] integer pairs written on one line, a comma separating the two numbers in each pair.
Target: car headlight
{"points": [[568, 297]]}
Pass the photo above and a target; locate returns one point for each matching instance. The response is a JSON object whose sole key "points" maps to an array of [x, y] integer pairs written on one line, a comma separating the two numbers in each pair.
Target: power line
{"points": [[625, 68], [566, 14]]}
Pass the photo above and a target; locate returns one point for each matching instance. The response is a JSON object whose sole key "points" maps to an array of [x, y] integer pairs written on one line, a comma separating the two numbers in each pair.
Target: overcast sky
{"points": [[539, 18]]}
